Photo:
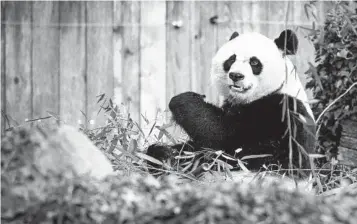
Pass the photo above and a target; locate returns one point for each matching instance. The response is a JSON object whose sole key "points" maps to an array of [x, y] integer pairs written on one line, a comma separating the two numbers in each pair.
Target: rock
{"points": [[36, 160], [69, 149]]}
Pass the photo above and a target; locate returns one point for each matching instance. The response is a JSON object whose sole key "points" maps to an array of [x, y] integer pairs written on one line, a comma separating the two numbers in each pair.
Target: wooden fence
{"points": [[58, 56]]}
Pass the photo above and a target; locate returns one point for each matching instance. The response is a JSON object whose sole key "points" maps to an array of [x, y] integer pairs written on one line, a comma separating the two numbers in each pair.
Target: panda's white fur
{"points": [[278, 73]]}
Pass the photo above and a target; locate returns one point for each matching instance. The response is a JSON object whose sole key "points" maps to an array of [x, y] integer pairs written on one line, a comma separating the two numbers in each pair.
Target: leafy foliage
{"points": [[29, 196], [335, 76], [123, 141]]}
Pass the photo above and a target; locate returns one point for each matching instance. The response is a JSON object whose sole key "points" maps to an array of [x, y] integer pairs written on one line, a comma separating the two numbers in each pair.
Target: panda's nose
{"points": [[236, 76]]}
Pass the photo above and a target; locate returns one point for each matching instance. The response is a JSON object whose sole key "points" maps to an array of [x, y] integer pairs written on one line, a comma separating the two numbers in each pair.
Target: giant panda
{"points": [[264, 110]]}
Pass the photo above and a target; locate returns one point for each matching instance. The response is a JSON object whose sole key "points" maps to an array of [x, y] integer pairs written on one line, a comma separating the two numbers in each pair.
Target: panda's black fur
{"points": [[259, 127]]}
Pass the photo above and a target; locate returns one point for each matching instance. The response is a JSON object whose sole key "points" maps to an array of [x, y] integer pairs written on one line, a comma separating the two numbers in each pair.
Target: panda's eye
{"points": [[254, 61], [256, 65], [229, 62]]}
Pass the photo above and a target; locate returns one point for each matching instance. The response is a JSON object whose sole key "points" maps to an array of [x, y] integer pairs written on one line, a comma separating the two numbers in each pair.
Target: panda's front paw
{"points": [[186, 105], [185, 99], [162, 153]]}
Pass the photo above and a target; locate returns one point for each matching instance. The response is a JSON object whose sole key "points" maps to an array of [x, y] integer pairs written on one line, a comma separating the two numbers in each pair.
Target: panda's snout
{"points": [[236, 76]]}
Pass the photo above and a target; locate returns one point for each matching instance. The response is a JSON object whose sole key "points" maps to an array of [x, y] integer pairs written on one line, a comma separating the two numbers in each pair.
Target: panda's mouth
{"points": [[240, 89]]}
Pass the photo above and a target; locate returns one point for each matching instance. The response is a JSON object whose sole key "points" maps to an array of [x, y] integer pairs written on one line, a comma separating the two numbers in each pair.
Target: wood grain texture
{"points": [[99, 44], [305, 51], [348, 142], [117, 53], [349, 128], [277, 17], [45, 58], [3, 68], [72, 62], [230, 20], [178, 53], [152, 62], [246, 10], [17, 61], [347, 156], [178, 63], [131, 57], [204, 34], [171, 60], [260, 17]]}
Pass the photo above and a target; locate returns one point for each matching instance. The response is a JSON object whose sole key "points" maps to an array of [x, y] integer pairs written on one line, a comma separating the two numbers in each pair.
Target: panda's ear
{"points": [[234, 35], [287, 42]]}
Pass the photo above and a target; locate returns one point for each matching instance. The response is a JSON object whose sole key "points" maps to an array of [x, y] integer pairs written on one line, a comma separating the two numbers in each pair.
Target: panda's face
{"points": [[249, 67]]}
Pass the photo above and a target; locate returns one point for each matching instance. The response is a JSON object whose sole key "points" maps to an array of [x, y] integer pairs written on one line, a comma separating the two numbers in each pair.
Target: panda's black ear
{"points": [[287, 42], [234, 35]]}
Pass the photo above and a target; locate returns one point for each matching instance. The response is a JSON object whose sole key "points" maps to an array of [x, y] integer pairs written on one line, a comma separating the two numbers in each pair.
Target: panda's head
{"points": [[250, 66]]}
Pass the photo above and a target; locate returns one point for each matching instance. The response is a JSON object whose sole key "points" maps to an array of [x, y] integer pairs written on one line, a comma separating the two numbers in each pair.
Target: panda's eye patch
{"points": [[254, 61], [256, 65], [229, 62]]}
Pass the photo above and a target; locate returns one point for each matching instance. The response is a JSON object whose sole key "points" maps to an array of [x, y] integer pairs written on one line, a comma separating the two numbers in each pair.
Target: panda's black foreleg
{"points": [[205, 123], [202, 121]]}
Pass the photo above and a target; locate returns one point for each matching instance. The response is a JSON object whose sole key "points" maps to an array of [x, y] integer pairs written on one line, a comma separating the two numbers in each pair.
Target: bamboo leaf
{"points": [[185, 157], [316, 156], [101, 96], [242, 166], [238, 150], [187, 167], [224, 164], [122, 150], [133, 145], [54, 115], [228, 157], [148, 158], [166, 133], [255, 156], [229, 173], [113, 144], [145, 119], [152, 128]]}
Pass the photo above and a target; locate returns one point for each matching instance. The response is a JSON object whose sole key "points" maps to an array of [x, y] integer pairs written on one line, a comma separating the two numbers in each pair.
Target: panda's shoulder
{"points": [[279, 103], [295, 105], [282, 99], [272, 104]]}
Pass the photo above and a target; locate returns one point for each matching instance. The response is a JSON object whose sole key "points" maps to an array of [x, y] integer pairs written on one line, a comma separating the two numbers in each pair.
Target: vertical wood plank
{"points": [[323, 8], [231, 18], [178, 54], [277, 15], [153, 61], [178, 48], [246, 10], [131, 57], [45, 56], [305, 52], [3, 67], [260, 17], [224, 30], [72, 62], [17, 61], [117, 53], [99, 56], [204, 35]]}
